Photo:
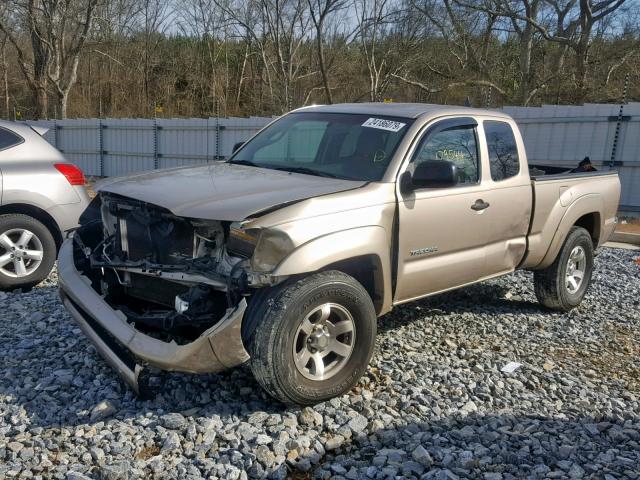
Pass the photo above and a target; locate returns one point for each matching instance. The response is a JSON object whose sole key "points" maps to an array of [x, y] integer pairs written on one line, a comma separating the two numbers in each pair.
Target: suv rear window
{"points": [[9, 139], [503, 151]]}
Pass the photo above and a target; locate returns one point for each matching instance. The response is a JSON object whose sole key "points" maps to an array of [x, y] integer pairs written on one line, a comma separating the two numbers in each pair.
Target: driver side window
{"points": [[457, 145]]}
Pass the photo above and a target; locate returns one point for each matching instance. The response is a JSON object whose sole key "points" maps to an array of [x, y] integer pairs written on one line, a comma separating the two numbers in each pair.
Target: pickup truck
{"points": [[285, 255]]}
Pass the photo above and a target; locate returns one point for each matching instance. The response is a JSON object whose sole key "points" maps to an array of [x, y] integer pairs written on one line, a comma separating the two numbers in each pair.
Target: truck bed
{"points": [[562, 198], [542, 172]]}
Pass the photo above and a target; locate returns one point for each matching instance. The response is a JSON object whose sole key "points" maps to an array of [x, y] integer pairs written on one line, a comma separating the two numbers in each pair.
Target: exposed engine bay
{"points": [[167, 274]]}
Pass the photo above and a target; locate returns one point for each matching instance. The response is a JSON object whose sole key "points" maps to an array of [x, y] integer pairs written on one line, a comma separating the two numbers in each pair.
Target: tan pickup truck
{"points": [[285, 255]]}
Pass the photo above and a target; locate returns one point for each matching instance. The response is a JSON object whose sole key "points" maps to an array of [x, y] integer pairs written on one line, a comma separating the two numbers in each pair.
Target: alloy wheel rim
{"points": [[576, 267], [21, 253], [324, 342]]}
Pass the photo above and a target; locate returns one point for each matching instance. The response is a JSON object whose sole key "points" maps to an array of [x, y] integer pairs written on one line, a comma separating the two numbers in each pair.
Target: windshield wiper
{"points": [[244, 162], [307, 171]]}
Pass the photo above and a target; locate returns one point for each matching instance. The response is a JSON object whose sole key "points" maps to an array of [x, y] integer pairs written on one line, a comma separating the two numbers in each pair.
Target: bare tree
{"points": [[58, 31], [203, 19], [321, 11], [5, 75], [115, 21], [467, 37], [260, 57], [278, 28], [385, 47], [571, 27], [152, 23]]}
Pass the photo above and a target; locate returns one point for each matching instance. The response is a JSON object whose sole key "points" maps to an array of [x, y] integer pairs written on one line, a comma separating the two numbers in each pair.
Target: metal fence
{"points": [[114, 147], [608, 134], [557, 135]]}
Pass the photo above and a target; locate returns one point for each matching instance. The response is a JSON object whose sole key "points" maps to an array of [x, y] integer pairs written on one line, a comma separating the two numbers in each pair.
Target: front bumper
{"points": [[127, 349]]}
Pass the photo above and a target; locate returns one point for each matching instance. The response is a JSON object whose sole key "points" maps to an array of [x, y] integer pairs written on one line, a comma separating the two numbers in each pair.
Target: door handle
{"points": [[480, 205]]}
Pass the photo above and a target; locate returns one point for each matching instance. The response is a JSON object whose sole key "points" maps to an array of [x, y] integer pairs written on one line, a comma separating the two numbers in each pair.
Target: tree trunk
{"points": [[42, 101], [63, 100], [323, 69], [526, 46], [5, 81], [241, 79], [582, 61]]}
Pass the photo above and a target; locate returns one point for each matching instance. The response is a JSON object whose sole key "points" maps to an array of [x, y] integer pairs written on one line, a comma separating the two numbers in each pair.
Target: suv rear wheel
{"points": [[312, 339], [27, 251], [563, 284]]}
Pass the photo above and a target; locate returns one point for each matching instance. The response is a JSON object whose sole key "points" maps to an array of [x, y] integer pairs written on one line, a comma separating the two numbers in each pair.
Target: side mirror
{"points": [[237, 146], [431, 174]]}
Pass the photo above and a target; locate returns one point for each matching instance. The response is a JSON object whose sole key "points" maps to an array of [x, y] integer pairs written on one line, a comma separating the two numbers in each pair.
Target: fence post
{"points": [[217, 156], [101, 147], [155, 144], [55, 133], [207, 132], [616, 135]]}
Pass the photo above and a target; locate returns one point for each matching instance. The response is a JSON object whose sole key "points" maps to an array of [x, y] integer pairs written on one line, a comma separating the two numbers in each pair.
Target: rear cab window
{"points": [[9, 139], [503, 151]]}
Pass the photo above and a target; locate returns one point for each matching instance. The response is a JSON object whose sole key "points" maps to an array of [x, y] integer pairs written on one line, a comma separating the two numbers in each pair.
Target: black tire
{"points": [[551, 285], [275, 319], [15, 222]]}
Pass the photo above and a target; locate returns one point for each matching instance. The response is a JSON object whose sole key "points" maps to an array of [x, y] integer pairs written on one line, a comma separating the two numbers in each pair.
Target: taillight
{"points": [[72, 173]]}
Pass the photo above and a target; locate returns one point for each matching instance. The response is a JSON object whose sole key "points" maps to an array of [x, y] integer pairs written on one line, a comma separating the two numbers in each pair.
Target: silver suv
{"points": [[41, 196]]}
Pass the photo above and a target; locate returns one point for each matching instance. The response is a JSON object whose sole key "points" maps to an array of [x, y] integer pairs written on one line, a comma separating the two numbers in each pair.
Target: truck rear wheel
{"points": [[563, 284], [312, 339]]}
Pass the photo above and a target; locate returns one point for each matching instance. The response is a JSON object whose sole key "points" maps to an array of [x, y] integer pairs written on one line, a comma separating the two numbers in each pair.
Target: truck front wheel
{"points": [[311, 339], [563, 284]]}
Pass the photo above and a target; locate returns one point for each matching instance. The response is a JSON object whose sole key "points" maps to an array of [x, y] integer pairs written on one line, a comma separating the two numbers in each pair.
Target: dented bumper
{"points": [[127, 349]]}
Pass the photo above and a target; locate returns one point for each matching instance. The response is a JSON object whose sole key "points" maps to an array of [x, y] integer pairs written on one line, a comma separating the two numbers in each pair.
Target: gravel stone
{"points": [[422, 456], [358, 423], [334, 442], [116, 471], [76, 476], [102, 410], [173, 421], [172, 442], [432, 405]]}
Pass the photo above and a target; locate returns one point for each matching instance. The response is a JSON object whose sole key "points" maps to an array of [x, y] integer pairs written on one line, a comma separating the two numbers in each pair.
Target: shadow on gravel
{"points": [[521, 446], [465, 300]]}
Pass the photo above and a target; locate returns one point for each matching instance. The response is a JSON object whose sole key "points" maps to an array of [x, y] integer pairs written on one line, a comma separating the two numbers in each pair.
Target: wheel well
{"points": [[38, 214], [367, 270], [591, 223]]}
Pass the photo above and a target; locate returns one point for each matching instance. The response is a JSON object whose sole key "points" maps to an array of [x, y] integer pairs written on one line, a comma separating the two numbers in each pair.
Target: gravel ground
{"points": [[434, 403]]}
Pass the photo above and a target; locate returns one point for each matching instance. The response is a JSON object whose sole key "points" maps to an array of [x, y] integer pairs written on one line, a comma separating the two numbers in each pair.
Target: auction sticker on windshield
{"points": [[382, 124]]}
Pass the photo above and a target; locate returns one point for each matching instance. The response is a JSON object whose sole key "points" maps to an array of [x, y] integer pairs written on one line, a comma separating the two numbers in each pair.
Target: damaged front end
{"points": [[148, 287]]}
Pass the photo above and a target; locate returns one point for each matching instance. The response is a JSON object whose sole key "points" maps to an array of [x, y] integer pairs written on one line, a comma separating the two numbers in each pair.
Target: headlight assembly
{"points": [[242, 242], [265, 247], [272, 247]]}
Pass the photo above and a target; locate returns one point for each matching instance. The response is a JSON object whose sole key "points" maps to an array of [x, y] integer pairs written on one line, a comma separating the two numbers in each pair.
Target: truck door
{"points": [[442, 232]]}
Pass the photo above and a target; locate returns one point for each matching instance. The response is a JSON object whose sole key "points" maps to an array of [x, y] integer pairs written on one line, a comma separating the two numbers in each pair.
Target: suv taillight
{"points": [[72, 173]]}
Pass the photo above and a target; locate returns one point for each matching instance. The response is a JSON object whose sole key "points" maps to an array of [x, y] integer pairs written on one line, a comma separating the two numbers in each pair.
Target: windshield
{"points": [[347, 146]]}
